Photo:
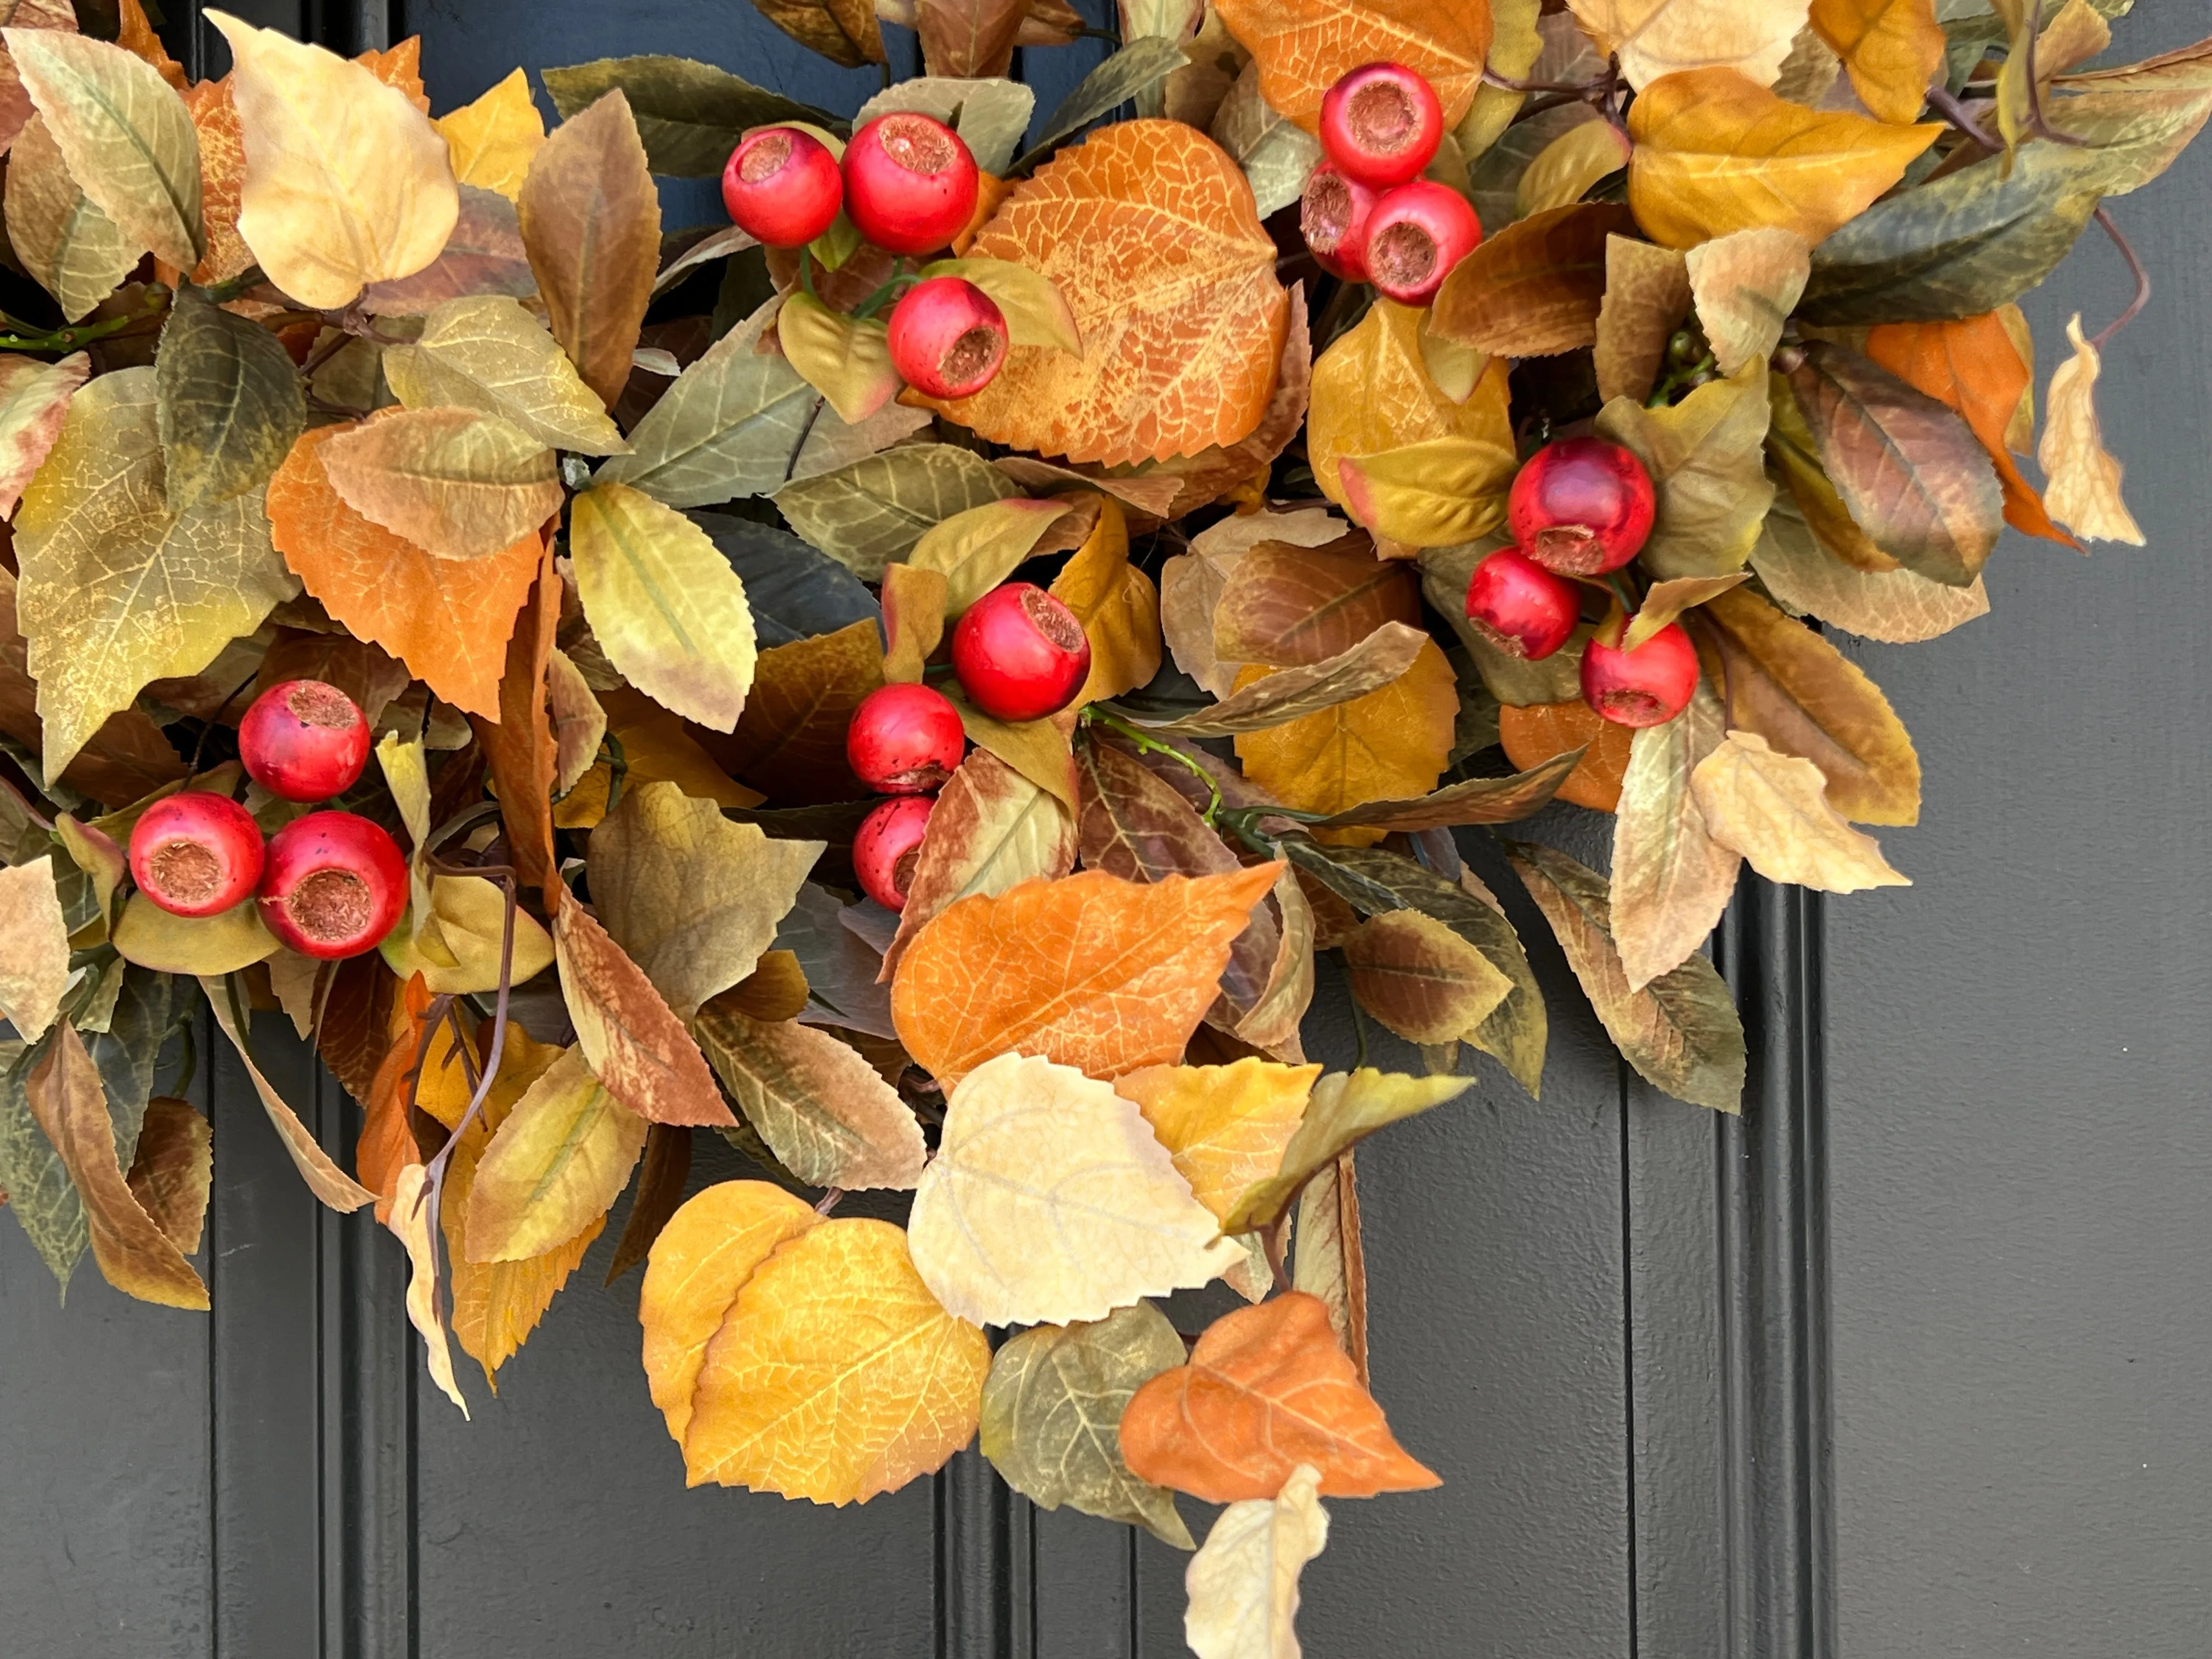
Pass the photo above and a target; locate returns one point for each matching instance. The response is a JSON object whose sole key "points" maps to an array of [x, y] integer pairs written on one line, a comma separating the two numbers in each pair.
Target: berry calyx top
{"points": [[1415, 234]]}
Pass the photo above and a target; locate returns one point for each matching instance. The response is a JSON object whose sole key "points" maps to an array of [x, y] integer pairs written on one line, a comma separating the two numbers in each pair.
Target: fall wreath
{"points": [[909, 680]]}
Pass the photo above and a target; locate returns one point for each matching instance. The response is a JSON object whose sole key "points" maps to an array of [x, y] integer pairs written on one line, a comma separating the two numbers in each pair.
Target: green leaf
{"points": [[229, 403], [1345, 1110], [486, 352], [795, 592], [1680, 1032], [873, 512], [76, 252], [1291, 694], [1706, 458], [1276, 153], [41, 1194], [1052, 1416], [1117, 80], [822, 1109], [989, 114], [689, 115]]}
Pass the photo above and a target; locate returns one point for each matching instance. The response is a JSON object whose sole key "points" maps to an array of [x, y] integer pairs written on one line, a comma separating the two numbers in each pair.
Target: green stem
{"points": [[1149, 745], [69, 339], [889, 291]]}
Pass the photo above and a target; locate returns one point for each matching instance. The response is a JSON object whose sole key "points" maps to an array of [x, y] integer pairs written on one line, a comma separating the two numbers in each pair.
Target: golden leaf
{"points": [[153, 937], [664, 602], [1647, 295], [347, 183], [486, 352], [1050, 1199], [657, 747], [410, 1223], [1716, 153], [497, 1304], [2084, 479], [493, 140], [135, 33], [1037, 313], [1671, 879], [1437, 493], [173, 1170], [978, 548], [1243, 1581], [822, 1109], [1117, 605], [448, 619], [633, 1043], [1773, 809], [455, 481], [1176, 357], [1516, 44], [457, 949], [1304, 47], [1344, 1109], [1225, 1127], [1746, 285], [1899, 606], [34, 948], [1656, 38], [1565, 168], [836, 1375], [791, 735], [1891, 48], [555, 1165], [847, 359], [1092, 971]]}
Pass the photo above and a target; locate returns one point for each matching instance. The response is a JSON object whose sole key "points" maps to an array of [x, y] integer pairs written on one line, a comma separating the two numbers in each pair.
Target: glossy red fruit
{"points": [[1648, 686], [948, 337], [1333, 215], [1415, 234], [783, 186], [334, 885], [304, 740], [1581, 506], [910, 183], [1521, 608], [904, 739], [1381, 123], [196, 854], [887, 844], [1019, 654]]}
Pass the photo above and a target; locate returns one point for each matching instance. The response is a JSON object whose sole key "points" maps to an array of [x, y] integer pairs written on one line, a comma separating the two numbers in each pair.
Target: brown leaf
{"points": [[1291, 606], [1773, 809], [1896, 605], [1292, 694], [65, 1096], [635, 1047], [1535, 734], [329, 1183], [965, 39], [1671, 879], [790, 740], [1330, 1264], [2084, 479], [822, 1109], [410, 1223], [1534, 289], [1647, 295], [661, 1178], [519, 744], [990, 828], [591, 220], [173, 1170], [1420, 978], [1476, 800], [843, 31]]}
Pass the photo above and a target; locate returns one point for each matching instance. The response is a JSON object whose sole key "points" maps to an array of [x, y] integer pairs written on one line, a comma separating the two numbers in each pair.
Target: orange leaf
{"points": [[448, 619], [1971, 364], [223, 177], [519, 744], [1089, 970], [1151, 232], [1534, 734], [1267, 1389], [400, 66], [136, 35], [1304, 47]]}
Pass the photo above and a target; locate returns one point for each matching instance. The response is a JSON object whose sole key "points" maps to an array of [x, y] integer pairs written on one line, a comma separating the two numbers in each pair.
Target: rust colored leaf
{"points": [[1304, 47], [448, 620], [1536, 734], [1289, 606], [790, 741], [1330, 1263], [962, 39], [591, 220], [661, 1177], [222, 179], [1535, 288], [1267, 1389], [635, 1047], [173, 1170], [519, 744], [1091, 971], [1177, 355]]}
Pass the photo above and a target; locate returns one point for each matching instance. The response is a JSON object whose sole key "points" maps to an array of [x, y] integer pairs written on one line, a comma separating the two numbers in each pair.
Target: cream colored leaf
{"points": [[823, 1110], [410, 1223], [75, 251], [1050, 1199], [492, 140], [34, 948], [1243, 1581], [2084, 491], [457, 482], [1658, 37], [580, 724], [457, 949], [1773, 808], [663, 604], [35, 400], [978, 548], [487, 352], [336, 1188], [1899, 607], [1746, 285], [693, 898], [1647, 295], [1671, 879], [347, 183], [555, 1165]]}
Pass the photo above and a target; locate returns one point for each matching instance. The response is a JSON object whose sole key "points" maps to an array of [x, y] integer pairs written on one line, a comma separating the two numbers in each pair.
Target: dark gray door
{"points": [[1915, 1359]]}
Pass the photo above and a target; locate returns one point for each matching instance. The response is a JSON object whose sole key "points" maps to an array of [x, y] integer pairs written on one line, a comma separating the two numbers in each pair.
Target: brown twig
{"points": [[2135, 265]]}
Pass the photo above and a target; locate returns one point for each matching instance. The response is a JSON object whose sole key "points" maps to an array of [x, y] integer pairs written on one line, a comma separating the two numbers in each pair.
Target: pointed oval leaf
{"points": [[484, 351], [1773, 809], [632, 1042], [822, 1109], [458, 484], [1243, 1581], [555, 1165]]}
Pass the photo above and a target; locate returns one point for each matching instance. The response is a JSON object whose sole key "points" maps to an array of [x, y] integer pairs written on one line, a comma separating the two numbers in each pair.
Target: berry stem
{"points": [[1149, 745], [883, 297]]}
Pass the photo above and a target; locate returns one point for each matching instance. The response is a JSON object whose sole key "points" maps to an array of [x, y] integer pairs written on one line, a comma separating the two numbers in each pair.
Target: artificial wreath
{"points": [[910, 679]]}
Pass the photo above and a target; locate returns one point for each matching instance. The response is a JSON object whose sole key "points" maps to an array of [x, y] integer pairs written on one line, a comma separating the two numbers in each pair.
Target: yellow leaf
{"points": [[496, 1304], [1243, 1581], [836, 1375], [1656, 37], [2083, 490], [1515, 47], [977, 549], [1705, 458], [152, 937], [457, 949], [1773, 809], [1344, 1109], [493, 140], [1891, 48], [1225, 1127], [1050, 1199], [347, 183], [410, 1224], [34, 948], [1717, 152], [486, 352], [1437, 493], [1565, 168], [455, 481], [1037, 313], [664, 602], [556, 1164], [1117, 605], [847, 359], [657, 747]]}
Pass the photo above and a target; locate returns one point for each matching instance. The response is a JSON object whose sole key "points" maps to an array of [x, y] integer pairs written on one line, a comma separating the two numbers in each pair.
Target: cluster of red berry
{"points": [[908, 184], [1366, 214], [1582, 507], [1019, 654], [329, 884]]}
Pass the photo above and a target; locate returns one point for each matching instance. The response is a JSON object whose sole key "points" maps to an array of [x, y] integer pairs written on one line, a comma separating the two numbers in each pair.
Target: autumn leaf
{"points": [[1175, 358], [230, 404], [990, 114], [1304, 49], [35, 400], [486, 352], [497, 1304], [1717, 152], [847, 359], [1292, 694], [1344, 1109], [1420, 979], [2084, 488], [455, 942], [633, 1043], [1443, 493], [1891, 49], [168, 943], [347, 183], [991, 829], [791, 735], [1289, 606], [843, 31], [1534, 289], [493, 140], [1330, 1263], [1671, 878], [1276, 153], [977, 549], [822, 1110], [73, 250], [34, 948], [1090, 970], [1243, 1581], [457, 482], [1225, 1127], [115, 589], [173, 1170], [1657, 38], [1647, 295], [1773, 809], [1745, 284], [448, 619], [329, 1183], [555, 1166], [878, 508], [690, 115], [1266, 1389], [1896, 607], [1706, 462], [1052, 1416], [837, 1376], [1118, 606], [410, 1223], [1568, 167]]}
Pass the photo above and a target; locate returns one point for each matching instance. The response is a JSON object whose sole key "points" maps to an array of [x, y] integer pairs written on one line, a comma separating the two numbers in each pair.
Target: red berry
{"points": [[904, 739], [947, 338], [1020, 653], [782, 186], [887, 846], [1381, 123], [910, 183], [1648, 686], [196, 854], [1415, 234], [303, 740], [1520, 607], [1333, 214], [334, 886], [1581, 506]]}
